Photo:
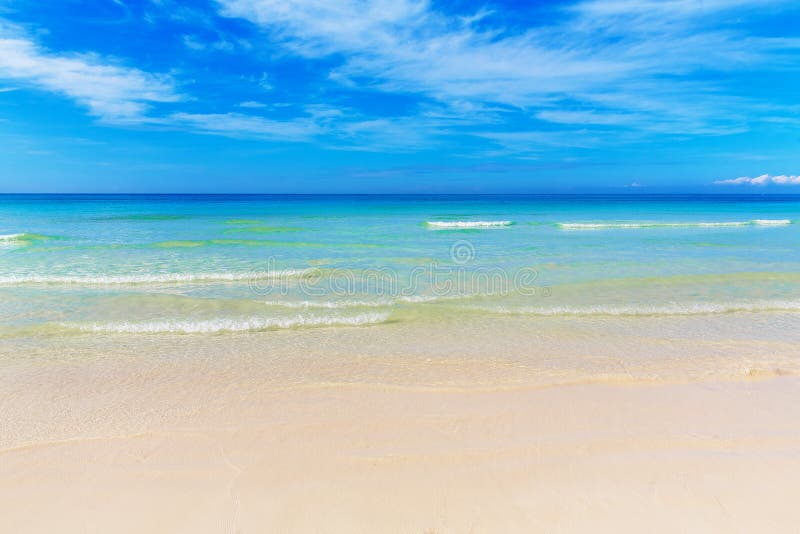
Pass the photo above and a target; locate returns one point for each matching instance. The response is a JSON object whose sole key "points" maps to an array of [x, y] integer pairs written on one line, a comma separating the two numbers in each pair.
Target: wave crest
{"points": [[377, 303], [700, 224], [441, 225], [212, 326], [706, 308], [163, 278], [10, 237], [22, 237]]}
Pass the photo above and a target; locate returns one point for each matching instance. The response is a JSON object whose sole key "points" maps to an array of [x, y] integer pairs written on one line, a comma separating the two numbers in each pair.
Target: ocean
{"points": [[225, 264]]}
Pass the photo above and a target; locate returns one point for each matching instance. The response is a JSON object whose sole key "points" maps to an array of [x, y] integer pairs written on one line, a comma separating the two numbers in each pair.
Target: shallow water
{"points": [[218, 264]]}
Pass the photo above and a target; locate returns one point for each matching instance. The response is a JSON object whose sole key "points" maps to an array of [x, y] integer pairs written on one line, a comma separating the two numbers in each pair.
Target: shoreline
{"points": [[396, 428]]}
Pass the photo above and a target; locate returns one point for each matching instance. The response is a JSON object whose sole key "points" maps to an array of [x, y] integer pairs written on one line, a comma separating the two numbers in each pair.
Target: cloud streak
{"points": [[596, 73], [111, 92], [606, 62], [245, 126], [764, 179]]}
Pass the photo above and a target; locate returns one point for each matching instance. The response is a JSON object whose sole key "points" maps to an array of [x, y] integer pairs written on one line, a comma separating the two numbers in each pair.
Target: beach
{"points": [[230, 434], [399, 364], [399, 267]]}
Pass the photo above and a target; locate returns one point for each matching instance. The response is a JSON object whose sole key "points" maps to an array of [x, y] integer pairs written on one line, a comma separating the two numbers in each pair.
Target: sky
{"points": [[399, 96]]}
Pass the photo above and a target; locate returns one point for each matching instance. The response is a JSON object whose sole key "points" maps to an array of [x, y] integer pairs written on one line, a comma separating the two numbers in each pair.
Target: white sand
{"points": [[186, 439]]}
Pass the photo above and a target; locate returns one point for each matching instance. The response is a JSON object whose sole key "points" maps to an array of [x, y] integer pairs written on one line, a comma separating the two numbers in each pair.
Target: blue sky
{"points": [[399, 96]]}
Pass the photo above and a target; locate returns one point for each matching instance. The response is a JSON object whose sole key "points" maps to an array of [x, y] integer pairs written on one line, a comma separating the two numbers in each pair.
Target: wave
{"points": [[418, 299], [330, 305], [704, 308], [440, 225], [772, 222], [701, 224], [19, 237], [233, 242], [11, 237], [164, 278], [342, 304], [212, 326]]}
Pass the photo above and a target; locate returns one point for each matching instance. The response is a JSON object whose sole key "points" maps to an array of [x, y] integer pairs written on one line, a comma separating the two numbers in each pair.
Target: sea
{"points": [[190, 265]]}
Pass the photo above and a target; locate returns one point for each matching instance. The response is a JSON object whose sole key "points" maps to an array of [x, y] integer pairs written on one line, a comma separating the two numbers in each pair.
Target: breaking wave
{"points": [[22, 237], [704, 308], [377, 303], [701, 224], [330, 305], [450, 225], [10, 237], [163, 278], [211, 326]]}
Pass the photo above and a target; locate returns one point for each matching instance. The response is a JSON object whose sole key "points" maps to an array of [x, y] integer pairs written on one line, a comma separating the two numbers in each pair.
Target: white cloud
{"points": [[626, 60], [321, 27], [111, 92], [533, 143], [332, 128], [602, 71], [246, 126], [264, 82], [786, 180], [588, 117], [664, 8], [396, 134], [763, 179]]}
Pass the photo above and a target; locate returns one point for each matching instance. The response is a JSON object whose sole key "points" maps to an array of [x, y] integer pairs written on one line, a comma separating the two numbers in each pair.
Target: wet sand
{"points": [[126, 434]]}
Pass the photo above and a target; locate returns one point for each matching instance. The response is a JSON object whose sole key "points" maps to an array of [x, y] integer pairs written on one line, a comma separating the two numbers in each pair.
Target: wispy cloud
{"points": [[606, 62], [764, 179], [597, 72], [251, 104], [192, 42], [110, 91], [245, 126], [531, 144]]}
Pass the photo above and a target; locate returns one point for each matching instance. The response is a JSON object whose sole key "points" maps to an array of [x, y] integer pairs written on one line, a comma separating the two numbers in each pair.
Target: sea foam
{"points": [[329, 304], [11, 237], [701, 224], [377, 303], [211, 326], [772, 222], [22, 237], [162, 278], [696, 308], [450, 225]]}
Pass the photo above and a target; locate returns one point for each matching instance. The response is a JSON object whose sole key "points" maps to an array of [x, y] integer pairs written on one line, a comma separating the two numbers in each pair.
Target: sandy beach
{"points": [[210, 434], [399, 267]]}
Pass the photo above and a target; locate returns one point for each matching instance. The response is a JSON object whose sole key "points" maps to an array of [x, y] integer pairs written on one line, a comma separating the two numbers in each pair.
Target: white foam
{"points": [[324, 304], [163, 278], [701, 224], [417, 299], [468, 224], [381, 303], [772, 222], [698, 308], [10, 237], [211, 326]]}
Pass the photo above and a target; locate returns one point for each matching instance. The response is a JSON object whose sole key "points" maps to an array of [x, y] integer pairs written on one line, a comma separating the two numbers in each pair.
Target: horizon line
{"points": [[592, 193]]}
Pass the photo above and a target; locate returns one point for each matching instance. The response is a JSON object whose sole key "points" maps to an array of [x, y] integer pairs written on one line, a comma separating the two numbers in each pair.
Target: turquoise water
{"points": [[192, 264]]}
